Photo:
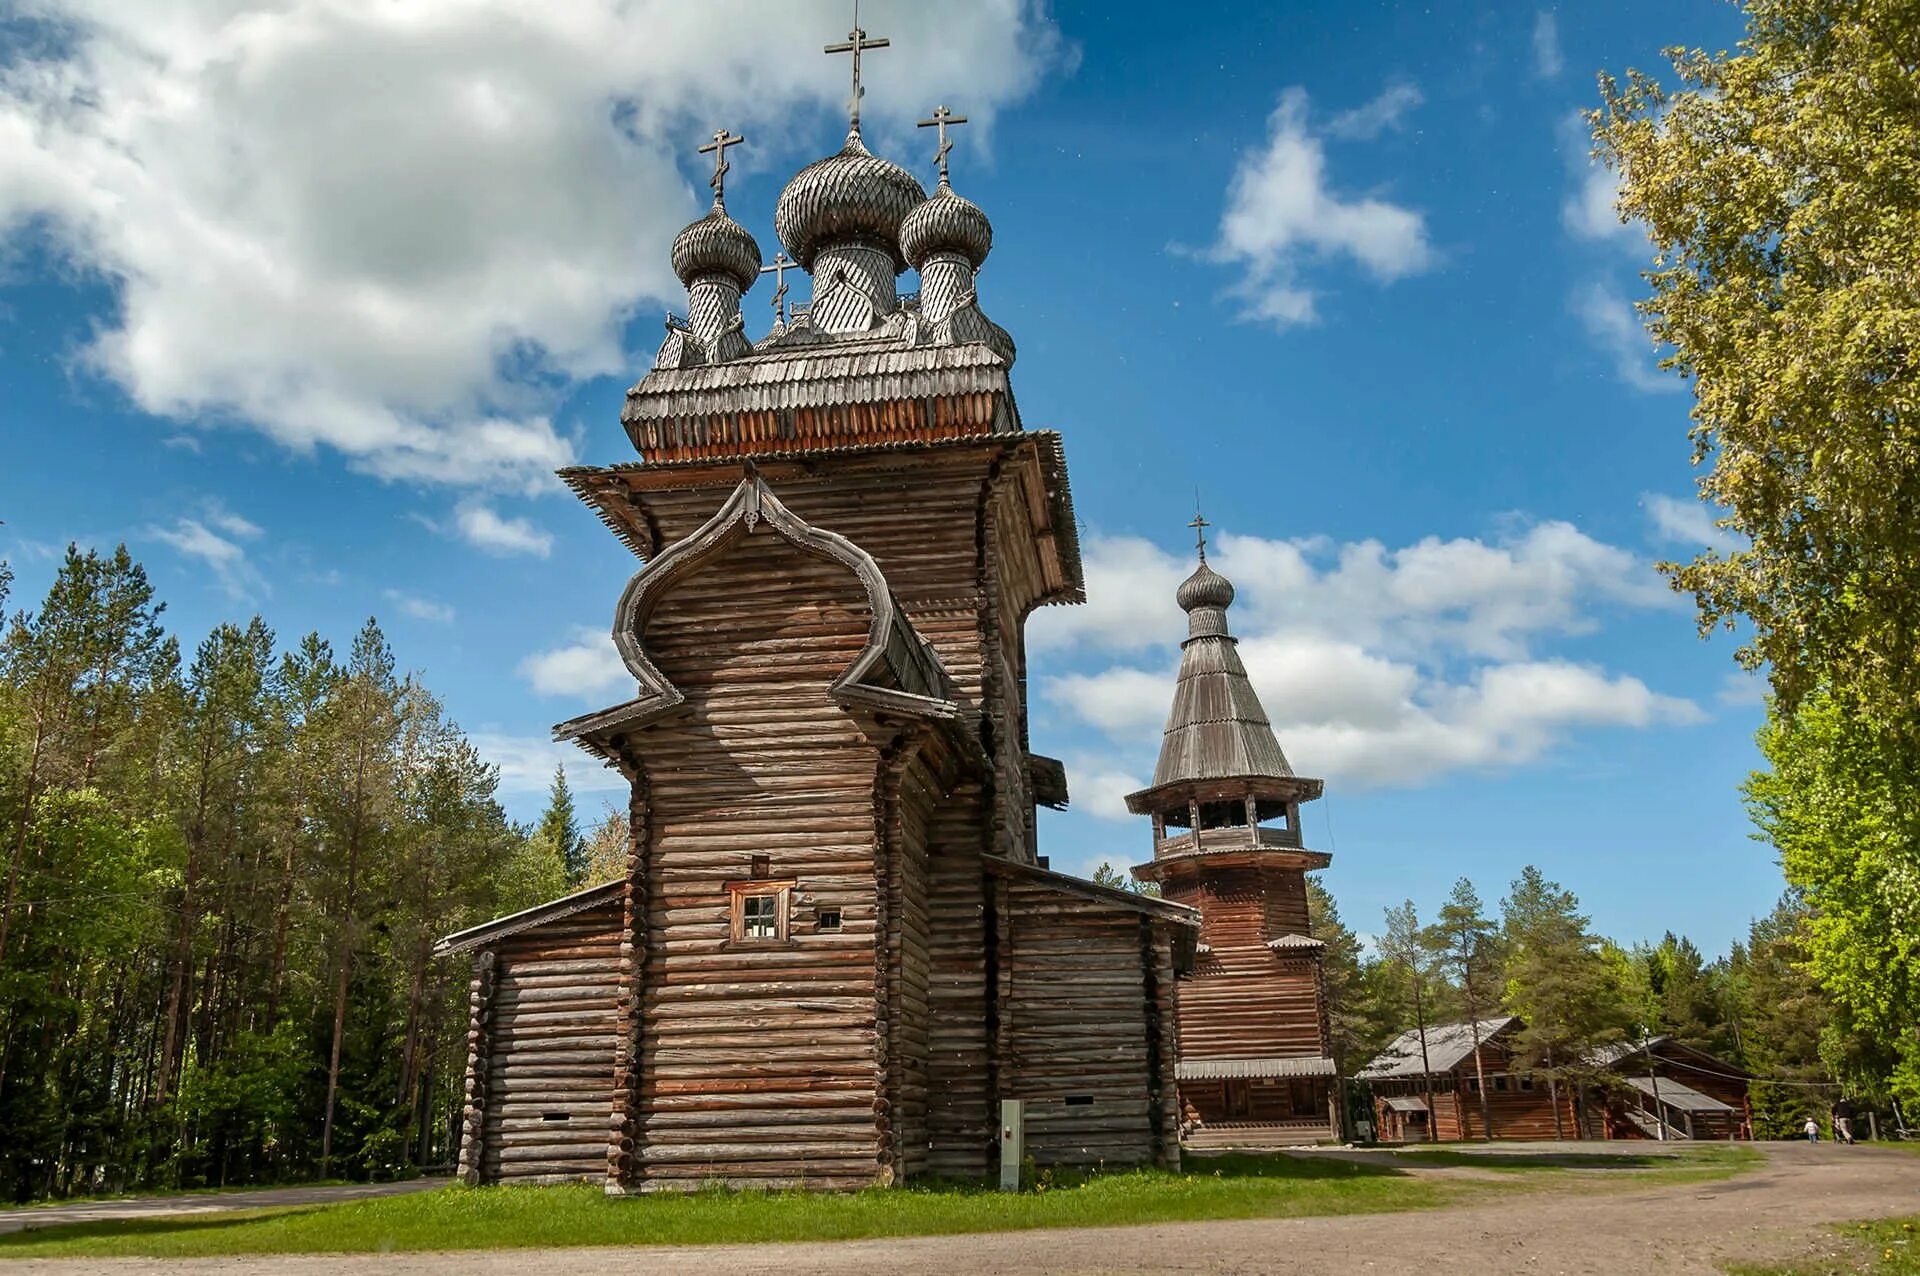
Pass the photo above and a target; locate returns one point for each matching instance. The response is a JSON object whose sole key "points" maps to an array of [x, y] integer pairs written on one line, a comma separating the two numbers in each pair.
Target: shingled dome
{"points": [[717, 245], [852, 197], [946, 223], [1205, 588]]}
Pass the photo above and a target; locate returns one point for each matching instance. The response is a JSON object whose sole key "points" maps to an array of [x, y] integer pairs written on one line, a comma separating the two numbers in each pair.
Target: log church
{"points": [[835, 949]]}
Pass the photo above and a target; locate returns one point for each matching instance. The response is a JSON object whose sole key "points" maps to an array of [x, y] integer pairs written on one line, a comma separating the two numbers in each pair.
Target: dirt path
{"points": [[1772, 1212], [202, 1203]]}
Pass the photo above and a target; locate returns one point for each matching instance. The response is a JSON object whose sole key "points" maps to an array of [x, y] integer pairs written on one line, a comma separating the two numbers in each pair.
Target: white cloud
{"points": [[1098, 788], [1282, 215], [1377, 116], [1588, 210], [224, 556], [1615, 330], [1686, 521], [589, 666], [402, 231], [1487, 598], [526, 764], [1742, 688], [420, 608], [1378, 666], [1547, 60], [496, 534]]}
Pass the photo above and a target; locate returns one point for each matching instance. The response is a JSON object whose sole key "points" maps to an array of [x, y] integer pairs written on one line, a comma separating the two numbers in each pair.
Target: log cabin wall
{"points": [[1244, 999], [960, 1033], [953, 532], [906, 960], [1079, 1014], [761, 1060], [550, 1050]]}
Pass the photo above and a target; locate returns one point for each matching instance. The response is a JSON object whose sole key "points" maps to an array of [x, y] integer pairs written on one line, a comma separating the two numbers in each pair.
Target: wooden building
{"points": [[835, 949], [1256, 1065], [1661, 1089]]}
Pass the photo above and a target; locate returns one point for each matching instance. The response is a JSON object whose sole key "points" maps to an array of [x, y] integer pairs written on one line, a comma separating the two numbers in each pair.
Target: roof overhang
{"points": [[513, 923], [1234, 1069]]}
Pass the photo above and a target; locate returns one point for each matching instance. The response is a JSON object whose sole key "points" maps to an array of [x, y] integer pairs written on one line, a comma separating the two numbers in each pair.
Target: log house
{"points": [[835, 948]]}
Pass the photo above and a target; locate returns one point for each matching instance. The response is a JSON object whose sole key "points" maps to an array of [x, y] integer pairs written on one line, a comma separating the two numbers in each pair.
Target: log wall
{"points": [[1243, 999], [761, 1061], [1079, 1016], [550, 1050]]}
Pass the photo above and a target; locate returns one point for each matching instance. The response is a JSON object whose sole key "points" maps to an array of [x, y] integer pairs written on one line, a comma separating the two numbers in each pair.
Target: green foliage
{"points": [[1777, 186], [222, 887], [559, 829], [1557, 979]]}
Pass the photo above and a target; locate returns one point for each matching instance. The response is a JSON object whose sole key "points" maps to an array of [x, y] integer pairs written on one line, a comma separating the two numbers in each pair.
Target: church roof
{"points": [[1217, 728]]}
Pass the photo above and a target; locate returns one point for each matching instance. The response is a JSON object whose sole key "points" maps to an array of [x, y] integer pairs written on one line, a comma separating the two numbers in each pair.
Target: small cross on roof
{"points": [[942, 117], [1200, 526], [717, 148], [856, 43], [781, 265]]}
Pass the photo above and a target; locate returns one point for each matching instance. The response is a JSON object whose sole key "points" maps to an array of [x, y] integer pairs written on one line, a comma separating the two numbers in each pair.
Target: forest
{"points": [[225, 873]]}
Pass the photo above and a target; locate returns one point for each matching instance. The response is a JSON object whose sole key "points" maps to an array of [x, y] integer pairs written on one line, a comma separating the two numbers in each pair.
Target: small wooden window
{"points": [[1526, 1083], [1500, 1083], [757, 911], [829, 919], [1079, 1100]]}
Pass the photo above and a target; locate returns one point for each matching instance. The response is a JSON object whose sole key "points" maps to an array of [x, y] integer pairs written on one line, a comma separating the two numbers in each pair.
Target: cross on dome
{"points": [[1200, 526], [856, 43], [942, 117], [781, 265], [717, 148]]}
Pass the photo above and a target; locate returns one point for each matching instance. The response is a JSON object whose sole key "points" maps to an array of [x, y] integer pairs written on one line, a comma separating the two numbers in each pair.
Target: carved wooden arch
{"points": [[752, 504]]}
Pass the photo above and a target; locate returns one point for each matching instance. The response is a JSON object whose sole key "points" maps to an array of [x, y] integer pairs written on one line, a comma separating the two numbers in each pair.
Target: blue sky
{"points": [[305, 304]]}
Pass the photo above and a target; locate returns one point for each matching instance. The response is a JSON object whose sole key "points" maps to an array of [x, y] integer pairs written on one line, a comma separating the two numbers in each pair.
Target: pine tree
{"points": [[560, 830], [1404, 945], [1566, 994], [1464, 942], [1340, 964]]}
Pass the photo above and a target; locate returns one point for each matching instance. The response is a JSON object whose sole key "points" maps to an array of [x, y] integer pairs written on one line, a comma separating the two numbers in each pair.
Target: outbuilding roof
{"points": [[1676, 1095], [1447, 1046], [1217, 1069]]}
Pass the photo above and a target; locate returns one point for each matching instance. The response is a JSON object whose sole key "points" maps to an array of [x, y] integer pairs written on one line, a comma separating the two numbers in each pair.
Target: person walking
{"points": [[1843, 1121], [1812, 1128]]}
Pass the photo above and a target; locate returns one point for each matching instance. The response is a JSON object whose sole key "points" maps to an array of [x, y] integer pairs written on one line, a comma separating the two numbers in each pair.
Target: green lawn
{"points": [[1690, 1163], [504, 1218], [1888, 1248]]}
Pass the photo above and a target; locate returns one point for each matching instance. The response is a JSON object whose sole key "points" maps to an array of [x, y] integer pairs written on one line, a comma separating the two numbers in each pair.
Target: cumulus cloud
{"points": [[589, 666], [420, 608], [1379, 666], [1547, 60], [1376, 117], [401, 231], [1588, 210], [526, 764], [482, 526], [1284, 215], [220, 552], [1614, 327], [1686, 521]]}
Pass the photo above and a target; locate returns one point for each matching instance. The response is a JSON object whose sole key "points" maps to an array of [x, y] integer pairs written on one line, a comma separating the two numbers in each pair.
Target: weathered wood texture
{"points": [[1081, 1014], [550, 1061], [759, 1057], [1244, 999]]}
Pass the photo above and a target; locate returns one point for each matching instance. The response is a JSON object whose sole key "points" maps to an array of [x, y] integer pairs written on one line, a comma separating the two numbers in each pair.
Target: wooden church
{"points": [[1255, 1062], [835, 949]]}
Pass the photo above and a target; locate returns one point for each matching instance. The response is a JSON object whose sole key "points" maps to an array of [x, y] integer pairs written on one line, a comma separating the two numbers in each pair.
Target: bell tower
{"points": [[1255, 1046]]}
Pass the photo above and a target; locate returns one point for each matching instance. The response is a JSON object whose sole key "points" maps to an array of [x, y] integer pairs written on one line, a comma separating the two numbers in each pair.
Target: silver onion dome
{"points": [[1205, 588], [946, 223], [716, 245], [854, 196]]}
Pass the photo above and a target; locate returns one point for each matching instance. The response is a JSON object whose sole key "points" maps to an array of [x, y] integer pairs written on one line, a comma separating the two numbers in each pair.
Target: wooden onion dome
{"points": [[1223, 792]]}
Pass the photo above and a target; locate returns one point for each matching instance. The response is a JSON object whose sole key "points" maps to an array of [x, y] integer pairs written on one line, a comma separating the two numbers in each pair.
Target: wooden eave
{"points": [[1152, 906], [1286, 788], [513, 923], [1047, 780], [618, 493], [1166, 866], [896, 672]]}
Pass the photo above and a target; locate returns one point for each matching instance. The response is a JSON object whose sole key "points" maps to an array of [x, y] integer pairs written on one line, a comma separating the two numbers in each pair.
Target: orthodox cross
{"points": [[1200, 526], [718, 149], [942, 117], [781, 265], [856, 43]]}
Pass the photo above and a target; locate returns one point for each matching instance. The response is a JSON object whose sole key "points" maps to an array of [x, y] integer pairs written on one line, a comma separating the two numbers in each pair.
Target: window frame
{"points": [[739, 892]]}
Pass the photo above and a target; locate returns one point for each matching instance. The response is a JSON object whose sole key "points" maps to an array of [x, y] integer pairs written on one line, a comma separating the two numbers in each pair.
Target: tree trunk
{"points": [[333, 1056]]}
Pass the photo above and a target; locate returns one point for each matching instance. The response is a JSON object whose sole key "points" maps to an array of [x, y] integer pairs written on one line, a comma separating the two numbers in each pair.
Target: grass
{"points": [[1890, 1247], [1233, 1186], [149, 1193], [1693, 1163]]}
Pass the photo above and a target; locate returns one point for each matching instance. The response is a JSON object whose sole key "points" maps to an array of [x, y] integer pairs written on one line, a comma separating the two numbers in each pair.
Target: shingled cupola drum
{"points": [[717, 260], [1255, 1046], [947, 238]]}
